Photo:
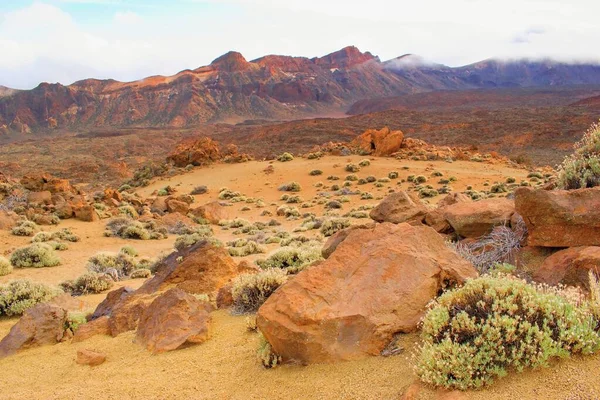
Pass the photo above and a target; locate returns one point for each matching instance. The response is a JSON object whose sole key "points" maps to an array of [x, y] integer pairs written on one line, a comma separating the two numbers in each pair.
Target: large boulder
{"points": [[126, 314], [113, 298], [202, 268], [41, 325], [86, 213], [8, 220], [569, 267], [172, 320], [334, 240], [400, 207], [199, 152], [383, 142], [41, 198], [436, 218], [93, 328], [377, 283], [213, 212], [560, 218], [478, 218]]}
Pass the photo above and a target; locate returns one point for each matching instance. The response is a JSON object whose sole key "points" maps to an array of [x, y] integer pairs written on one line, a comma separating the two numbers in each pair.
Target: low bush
{"points": [[5, 266], [285, 157], [393, 175], [130, 229], [331, 226], [243, 247], [364, 163], [492, 325], [290, 187], [18, 296], [199, 190], [352, 168], [88, 283], [120, 264], [141, 273], [36, 255], [65, 234], [316, 172], [291, 259], [250, 291], [582, 168], [25, 228]]}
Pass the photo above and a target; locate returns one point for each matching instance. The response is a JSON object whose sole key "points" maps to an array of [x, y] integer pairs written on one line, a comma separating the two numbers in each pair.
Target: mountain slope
{"points": [[232, 89]]}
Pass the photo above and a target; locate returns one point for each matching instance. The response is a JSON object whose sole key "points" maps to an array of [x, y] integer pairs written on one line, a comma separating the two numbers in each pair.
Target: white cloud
{"points": [[42, 42]]}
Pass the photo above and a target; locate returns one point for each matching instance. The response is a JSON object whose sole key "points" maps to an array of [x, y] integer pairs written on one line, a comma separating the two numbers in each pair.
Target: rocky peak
{"points": [[344, 58], [231, 62]]}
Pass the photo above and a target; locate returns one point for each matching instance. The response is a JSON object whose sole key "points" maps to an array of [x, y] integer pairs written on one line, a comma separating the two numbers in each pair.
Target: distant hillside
{"points": [[232, 89]]}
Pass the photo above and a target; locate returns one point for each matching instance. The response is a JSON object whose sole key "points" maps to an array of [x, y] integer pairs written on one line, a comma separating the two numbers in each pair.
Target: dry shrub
{"points": [[88, 283], [250, 291], [18, 296], [36, 255], [582, 168], [491, 325]]}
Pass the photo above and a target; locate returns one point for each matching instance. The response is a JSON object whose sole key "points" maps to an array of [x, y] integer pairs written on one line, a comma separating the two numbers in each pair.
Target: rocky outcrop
{"points": [[436, 218], [569, 267], [93, 328], [334, 240], [560, 218], [376, 284], [213, 212], [202, 151], [400, 207], [202, 268], [41, 325], [383, 142], [478, 218], [172, 320]]}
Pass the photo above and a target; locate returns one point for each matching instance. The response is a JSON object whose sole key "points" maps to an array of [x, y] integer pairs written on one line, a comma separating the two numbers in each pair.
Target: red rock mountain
{"points": [[232, 89]]}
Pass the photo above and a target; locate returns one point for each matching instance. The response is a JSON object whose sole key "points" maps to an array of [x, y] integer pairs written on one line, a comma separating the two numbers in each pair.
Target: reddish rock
{"points": [[111, 194], [399, 207], [204, 268], [126, 313], [334, 240], [381, 142], [93, 328], [176, 206], [90, 357], [244, 267], [213, 212], [86, 213], [170, 221], [478, 218], [44, 197], [377, 283], [570, 267], [173, 319], [41, 325], [112, 299], [436, 218], [560, 218], [8, 220], [203, 151], [159, 205], [224, 296]]}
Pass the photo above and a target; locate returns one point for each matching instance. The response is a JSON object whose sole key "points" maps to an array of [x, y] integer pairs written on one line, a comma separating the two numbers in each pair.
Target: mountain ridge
{"points": [[232, 89]]}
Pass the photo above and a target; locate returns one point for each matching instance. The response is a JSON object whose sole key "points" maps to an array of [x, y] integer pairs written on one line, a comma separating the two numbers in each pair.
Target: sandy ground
{"points": [[225, 367]]}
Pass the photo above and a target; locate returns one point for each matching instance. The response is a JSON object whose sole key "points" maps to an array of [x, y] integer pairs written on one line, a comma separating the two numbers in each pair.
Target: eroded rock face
{"points": [[436, 218], [334, 240], [41, 325], [400, 207], [560, 218], [375, 284], [381, 142], [93, 328], [213, 212], [199, 152], [569, 267], [204, 269], [478, 218], [173, 319], [113, 297], [8, 220]]}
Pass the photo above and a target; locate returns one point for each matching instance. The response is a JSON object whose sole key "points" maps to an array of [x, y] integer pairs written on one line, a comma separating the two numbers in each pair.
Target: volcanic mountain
{"points": [[232, 89]]}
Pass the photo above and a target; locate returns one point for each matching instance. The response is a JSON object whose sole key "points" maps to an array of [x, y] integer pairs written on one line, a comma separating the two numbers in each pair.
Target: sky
{"points": [[68, 40]]}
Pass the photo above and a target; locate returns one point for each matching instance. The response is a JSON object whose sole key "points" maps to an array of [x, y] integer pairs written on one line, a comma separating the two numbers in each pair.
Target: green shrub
{"points": [[290, 187], [331, 226], [285, 157], [582, 168], [511, 179], [479, 332], [141, 273], [243, 247], [106, 262], [265, 354], [292, 259], [36, 255], [498, 188], [393, 175], [88, 283], [18, 296], [128, 211], [60, 246], [41, 237], [420, 179], [352, 168], [5, 266], [316, 172], [130, 229], [364, 163], [371, 179], [25, 228], [250, 291], [65, 234], [185, 241], [314, 156]]}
